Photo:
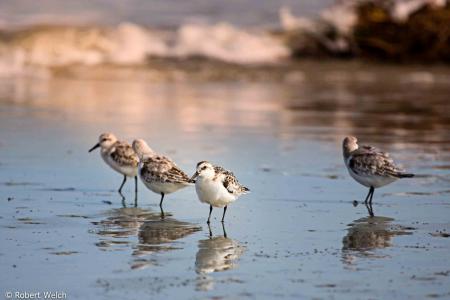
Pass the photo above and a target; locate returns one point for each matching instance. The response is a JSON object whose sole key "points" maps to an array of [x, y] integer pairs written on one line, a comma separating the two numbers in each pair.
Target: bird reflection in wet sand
{"points": [[215, 254], [121, 223], [155, 234], [368, 206], [368, 234]]}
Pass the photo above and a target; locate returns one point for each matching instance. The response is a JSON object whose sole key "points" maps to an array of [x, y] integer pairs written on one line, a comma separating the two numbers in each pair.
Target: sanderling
{"points": [[159, 173], [119, 156], [216, 186], [370, 167]]}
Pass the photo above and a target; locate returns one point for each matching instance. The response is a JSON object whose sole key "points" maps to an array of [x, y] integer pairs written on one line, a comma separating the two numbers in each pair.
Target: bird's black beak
{"points": [[194, 176], [95, 147]]}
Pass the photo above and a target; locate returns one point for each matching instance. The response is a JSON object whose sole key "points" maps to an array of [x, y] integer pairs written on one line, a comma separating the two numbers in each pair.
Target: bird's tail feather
{"points": [[405, 175]]}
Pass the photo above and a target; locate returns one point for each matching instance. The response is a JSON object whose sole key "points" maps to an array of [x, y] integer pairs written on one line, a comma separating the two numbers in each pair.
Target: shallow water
{"points": [[297, 235]]}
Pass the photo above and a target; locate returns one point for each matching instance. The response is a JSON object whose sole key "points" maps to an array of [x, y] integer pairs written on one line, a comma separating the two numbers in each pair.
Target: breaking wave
{"points": [[346, 29], [27, 50]]}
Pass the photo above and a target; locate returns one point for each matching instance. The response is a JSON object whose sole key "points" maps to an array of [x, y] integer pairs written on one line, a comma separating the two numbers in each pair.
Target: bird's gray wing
{"points": [[162, 169], [123, 154], [230, 181], [368, 160]]}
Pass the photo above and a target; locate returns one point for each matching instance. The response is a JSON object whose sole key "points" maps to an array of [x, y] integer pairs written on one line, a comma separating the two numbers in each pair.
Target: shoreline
{"points": [[204, 70]]}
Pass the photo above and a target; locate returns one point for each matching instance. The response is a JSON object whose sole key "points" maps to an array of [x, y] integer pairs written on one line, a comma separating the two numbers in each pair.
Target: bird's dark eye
{"points": [[204, 168]]}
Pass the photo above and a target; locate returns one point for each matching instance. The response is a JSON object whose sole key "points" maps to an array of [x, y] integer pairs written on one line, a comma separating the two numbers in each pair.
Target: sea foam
{"points": [[131, 44]]}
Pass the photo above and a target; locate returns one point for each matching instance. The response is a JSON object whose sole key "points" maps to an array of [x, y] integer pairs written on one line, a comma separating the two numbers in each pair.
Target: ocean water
{"points": [[63, 226], [153, 13]]}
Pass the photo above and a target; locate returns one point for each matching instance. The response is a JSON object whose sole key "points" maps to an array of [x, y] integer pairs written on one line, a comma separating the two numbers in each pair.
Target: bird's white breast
{"points": [[213, 192], [163, 187]]}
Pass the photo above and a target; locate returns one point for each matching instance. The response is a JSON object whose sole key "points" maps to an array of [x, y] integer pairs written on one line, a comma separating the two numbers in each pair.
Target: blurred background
{"points": [[38, 36]]}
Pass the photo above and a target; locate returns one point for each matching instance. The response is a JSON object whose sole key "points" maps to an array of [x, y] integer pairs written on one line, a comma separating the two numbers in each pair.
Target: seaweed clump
{"points": [[424, 35]]}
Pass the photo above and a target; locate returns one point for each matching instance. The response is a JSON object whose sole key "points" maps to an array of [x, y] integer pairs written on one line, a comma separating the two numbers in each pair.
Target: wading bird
{"points": [[370, 167]]}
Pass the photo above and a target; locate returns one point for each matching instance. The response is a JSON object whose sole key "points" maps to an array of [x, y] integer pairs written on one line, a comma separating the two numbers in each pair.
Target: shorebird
{"points": [[159, 173], [216, 186], [370, 167], [119, 156]]}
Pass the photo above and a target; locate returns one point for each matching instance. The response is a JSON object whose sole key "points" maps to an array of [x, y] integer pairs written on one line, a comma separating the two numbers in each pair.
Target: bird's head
{"points": [[105, 140], [204, 169], [349, 145], [142, 149]]}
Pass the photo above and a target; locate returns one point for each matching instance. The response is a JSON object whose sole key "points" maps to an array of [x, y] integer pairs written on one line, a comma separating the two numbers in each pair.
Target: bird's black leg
{"points": [[224, 231], [224, 211], [135, 190], [368, 195], [369, 209], [162, 198], [135, 184], [210, 231], [162, 213], [210, 211], [369, 203], [123, 182], [371, 195]]}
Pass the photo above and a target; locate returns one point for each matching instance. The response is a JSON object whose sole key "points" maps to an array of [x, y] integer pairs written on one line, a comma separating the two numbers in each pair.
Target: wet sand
{"points": [[63, 226]]}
